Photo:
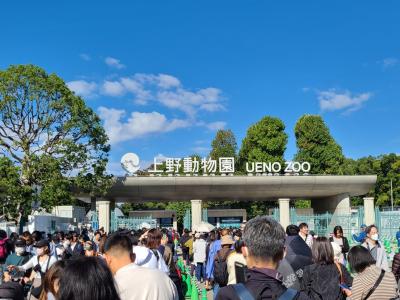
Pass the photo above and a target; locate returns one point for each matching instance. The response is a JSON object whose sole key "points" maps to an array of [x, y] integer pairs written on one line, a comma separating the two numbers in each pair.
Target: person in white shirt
{"points": [[234, 257], [148, 255], [199, 256], [40, 263], [151, 259], [135, 282], [304, 234]]}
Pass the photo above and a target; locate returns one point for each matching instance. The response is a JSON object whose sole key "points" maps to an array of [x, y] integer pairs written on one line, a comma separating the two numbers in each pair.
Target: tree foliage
{"points": [[387, 169], [265, 142], [50, 134], [223, 145], [12, 193], [316, 146]]}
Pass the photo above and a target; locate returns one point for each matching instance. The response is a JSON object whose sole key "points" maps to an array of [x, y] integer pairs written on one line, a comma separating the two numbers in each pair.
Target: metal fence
{"points": [[94, 220], [323, 224], [229, 225], [204, 216], [388, 222], [187, 219], [131, 223]]}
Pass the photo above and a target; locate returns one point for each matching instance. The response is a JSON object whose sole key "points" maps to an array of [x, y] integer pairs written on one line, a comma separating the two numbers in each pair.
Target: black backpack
{"points": [[221, 269]]}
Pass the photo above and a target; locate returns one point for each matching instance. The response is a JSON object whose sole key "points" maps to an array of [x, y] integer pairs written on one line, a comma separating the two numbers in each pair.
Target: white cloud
{"points": [[390, 62], [167, 81], [332, 100], [142, 96], [137, 125], [114, 63], [113, 88], [216, 125], [163, 89], [85, 56], [166, 90], [190, 102], [83, 88]]}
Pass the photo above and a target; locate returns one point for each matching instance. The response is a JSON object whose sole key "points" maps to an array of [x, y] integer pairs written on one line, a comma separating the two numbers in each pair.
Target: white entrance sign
{"points": [[276, 167], [130, 163], [225, 165]]}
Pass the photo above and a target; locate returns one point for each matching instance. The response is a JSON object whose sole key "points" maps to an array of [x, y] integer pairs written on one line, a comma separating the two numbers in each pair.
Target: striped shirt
{"points": [[365, 280]]}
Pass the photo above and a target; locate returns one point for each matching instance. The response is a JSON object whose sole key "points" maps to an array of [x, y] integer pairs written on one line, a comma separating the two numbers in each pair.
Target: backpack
{"points": [[3, 249], [244, 294], [221, 269]]}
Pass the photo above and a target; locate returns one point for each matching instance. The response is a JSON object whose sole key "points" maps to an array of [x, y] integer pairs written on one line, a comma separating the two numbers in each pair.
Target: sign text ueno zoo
{"points": [[225, 165]]}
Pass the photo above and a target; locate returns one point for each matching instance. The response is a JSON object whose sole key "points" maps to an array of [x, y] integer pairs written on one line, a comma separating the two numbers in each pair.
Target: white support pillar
{"points": [[284, 212], [369, 211], [197, 210], [104, 214]]}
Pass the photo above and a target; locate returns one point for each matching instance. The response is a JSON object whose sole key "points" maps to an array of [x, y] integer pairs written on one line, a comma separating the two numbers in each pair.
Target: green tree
{"points": [[50, 133], [316, 146], [223, 145], [389, 170], [12, 192], [265, 142]]}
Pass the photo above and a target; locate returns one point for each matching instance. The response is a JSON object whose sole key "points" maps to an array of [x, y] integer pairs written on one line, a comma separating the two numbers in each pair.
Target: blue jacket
{"points": [[361, 237], [215, 247], [398, 238]]}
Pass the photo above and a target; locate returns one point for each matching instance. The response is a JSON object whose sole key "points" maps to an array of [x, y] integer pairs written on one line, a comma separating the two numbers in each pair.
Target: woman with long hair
{"points": [[51, 283], [324, 278], [87, 278], [339, 239]]}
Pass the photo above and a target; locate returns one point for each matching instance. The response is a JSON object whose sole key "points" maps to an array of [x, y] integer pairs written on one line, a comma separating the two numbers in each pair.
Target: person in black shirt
{"points": [[264, 240]]}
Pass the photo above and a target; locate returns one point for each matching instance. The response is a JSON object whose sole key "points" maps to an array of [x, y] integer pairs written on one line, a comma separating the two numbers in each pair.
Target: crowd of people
{"points": [[260, 260]]}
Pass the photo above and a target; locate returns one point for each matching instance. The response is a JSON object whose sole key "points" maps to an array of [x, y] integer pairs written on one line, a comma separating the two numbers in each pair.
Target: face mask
{"points": [[39, 252], [375, 237], [19, 250]]}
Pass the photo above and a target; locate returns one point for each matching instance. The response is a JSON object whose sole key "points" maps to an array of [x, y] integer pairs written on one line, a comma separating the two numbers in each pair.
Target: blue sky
{"points": [[164, 75]]}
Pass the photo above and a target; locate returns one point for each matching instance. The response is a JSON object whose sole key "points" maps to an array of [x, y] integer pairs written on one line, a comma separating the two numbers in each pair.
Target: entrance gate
{"points": [[323, 224], [124, 222], [131, 223], [388, 222]]}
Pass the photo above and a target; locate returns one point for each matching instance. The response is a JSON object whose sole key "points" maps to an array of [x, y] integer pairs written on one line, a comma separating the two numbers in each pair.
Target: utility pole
{"points": [[391, 192]]}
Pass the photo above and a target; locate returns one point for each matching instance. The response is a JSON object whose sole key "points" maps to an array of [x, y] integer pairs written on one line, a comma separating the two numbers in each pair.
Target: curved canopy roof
{"points": [[243, 188]]}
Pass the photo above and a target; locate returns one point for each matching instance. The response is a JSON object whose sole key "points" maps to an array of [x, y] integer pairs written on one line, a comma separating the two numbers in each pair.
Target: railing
{"points": [[388, 222], [94, 220], [204, 215], [229, 225], [323, 224], [132, 223], [187, 220]]}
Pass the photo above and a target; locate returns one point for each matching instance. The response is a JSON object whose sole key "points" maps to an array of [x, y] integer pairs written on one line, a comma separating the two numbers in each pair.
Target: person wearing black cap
{"points": [[40, 263], [19, 257]]}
